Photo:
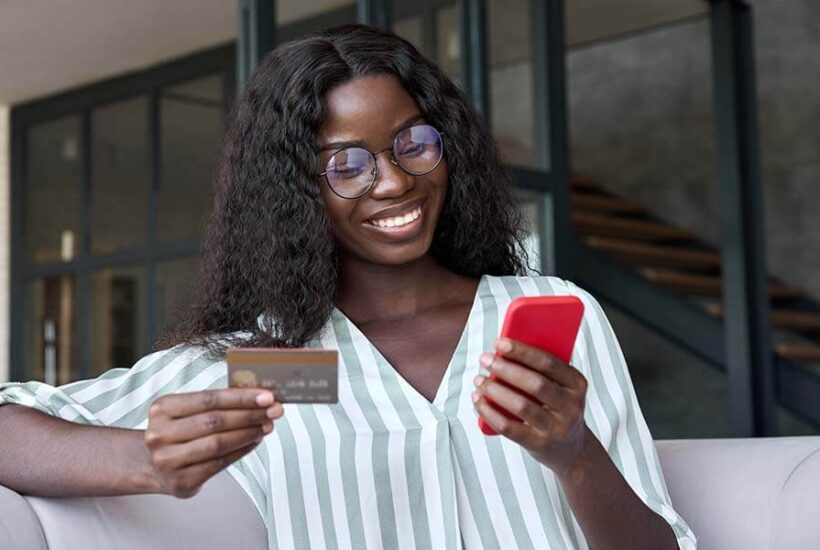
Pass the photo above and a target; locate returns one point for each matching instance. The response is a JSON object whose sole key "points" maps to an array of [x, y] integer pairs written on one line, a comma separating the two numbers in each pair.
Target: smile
{"points": [[397, 221]]}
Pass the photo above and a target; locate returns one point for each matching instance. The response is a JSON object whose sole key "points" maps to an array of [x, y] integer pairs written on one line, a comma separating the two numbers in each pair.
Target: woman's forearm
{"points": [[47, 456], [609, 512]]}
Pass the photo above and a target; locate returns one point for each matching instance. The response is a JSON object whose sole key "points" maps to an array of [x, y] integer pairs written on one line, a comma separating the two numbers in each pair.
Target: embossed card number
{"points": [[294, 375]]}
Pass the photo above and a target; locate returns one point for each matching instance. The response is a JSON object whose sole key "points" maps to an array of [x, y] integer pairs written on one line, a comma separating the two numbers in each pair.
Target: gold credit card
{"points": [[295, 375]]}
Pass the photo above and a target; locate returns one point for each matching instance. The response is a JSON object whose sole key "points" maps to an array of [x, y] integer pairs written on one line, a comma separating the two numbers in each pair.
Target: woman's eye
{"points": [[413, 149], [347, 172]]}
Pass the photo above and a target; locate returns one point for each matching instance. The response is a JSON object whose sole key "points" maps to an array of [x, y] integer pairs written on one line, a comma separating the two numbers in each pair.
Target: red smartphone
{"points": [[547, 322]]}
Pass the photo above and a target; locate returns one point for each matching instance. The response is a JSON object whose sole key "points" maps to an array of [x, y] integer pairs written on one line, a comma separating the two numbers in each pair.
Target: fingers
{"points": [[541, 388], [215, 421], [541, 361], [508, 427], [182, 455], [190, 479], [524, 408], [186, 404]]}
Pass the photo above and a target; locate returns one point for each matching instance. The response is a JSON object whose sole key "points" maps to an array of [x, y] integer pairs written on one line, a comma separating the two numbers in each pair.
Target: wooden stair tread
{"points": [[707, 285], [605, 203], [612, 226], [799, 351], [584, 183], [655, 255], [806, 321]]}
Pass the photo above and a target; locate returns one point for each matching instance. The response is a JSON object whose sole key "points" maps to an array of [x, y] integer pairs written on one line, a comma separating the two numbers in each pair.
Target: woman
{"points": [[361, 205]]}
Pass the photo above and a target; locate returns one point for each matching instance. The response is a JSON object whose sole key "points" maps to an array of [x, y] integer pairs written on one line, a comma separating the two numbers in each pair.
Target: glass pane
{"points": [[786, 43], [117, 318], [680, 395], [52, 190], [511, 83], [120, 175], [191, 120], [50, 330], [173, 283], [642, 122], [448, 43], [295, 18], [433, 28], [412, 29], [538, 244], [790, 424]]}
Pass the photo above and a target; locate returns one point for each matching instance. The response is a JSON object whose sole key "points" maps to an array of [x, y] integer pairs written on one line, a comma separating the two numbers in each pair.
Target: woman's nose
{"points": [[391, 180]]}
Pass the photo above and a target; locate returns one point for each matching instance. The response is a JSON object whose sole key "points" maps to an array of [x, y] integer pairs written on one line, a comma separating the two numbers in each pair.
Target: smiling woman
{"points": [[361, 205]]}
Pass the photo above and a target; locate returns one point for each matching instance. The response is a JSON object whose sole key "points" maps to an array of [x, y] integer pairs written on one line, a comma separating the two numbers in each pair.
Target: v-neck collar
{"points": [[441, 392]]}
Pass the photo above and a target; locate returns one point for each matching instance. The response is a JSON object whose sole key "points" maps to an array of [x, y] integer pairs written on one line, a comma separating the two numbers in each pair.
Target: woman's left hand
{"points": [[553, 429]]}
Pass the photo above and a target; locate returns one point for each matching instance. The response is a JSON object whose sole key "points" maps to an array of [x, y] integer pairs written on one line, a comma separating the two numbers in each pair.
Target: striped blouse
{"points": [[386, 468]]}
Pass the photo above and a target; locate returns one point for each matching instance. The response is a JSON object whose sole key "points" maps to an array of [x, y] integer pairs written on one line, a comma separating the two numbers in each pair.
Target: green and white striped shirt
{"points": [[384, 467]]}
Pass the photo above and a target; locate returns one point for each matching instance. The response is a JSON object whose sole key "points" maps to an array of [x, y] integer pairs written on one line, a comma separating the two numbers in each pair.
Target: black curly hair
{"points": [[269, 246]]}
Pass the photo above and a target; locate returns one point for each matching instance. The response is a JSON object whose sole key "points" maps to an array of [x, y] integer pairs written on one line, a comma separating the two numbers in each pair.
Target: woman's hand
{"points": [[553, 427], [192, 436]]}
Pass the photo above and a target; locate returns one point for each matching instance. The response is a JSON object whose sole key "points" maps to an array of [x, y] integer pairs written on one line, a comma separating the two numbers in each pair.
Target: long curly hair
{"points": [[269, 248]]}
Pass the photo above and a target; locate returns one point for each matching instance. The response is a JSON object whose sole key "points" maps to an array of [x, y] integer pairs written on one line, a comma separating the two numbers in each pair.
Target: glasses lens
{"points": [[418, 149], [350, 172]]}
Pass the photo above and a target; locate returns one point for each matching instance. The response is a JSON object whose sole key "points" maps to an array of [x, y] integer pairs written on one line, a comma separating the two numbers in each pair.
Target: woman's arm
{"points": [[609, 512], [602, 455], [47, 456], [190, 437]]}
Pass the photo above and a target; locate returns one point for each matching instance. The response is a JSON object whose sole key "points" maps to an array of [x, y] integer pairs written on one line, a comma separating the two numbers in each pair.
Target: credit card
{"points": [[295, 375]]}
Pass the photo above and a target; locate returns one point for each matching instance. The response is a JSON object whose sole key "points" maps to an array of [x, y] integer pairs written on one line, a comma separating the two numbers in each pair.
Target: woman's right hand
{"points": [[192, 436]]}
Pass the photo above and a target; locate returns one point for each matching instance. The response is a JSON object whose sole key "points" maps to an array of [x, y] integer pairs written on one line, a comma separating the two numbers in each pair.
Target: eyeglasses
{"points": [[351, 172]]}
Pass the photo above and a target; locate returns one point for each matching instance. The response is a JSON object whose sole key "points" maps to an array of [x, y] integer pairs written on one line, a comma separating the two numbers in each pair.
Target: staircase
{"points": [[650, 268]]}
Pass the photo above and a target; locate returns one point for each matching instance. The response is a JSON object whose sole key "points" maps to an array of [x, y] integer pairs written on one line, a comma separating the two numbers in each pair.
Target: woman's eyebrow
{"points": [[409, 122], [358, 143], [341, 145]]}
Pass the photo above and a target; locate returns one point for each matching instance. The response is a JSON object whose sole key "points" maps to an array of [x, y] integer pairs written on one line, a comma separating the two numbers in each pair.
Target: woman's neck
{"points": [[370, 292]]}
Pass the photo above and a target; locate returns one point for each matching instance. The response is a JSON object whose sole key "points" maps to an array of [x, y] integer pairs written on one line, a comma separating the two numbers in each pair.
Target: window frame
{"points": [[81, 102]]}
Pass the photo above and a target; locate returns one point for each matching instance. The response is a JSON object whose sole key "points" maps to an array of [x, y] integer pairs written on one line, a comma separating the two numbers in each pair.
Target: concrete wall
{"points": [[642, 122], [5, 241]]}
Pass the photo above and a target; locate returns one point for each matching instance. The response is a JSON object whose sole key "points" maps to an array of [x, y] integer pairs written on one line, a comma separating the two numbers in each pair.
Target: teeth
{"points": [[398, 221]]}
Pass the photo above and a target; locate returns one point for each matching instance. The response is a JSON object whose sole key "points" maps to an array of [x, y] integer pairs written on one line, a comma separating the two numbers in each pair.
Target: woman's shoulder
{"points": [[189, 353], [535, 285]]}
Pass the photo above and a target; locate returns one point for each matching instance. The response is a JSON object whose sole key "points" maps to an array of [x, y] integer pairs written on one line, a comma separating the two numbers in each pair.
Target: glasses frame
{"points": [[373, 154]]}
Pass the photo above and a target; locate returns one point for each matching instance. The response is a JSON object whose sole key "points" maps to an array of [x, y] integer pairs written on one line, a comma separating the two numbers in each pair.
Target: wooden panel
{"points": [[799, 351], [605, 203], [655, 255], [611, 226], [707, 285]]}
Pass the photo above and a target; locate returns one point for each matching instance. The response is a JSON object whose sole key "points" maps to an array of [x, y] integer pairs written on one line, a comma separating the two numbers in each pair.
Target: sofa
{"points": [[749, 494]]}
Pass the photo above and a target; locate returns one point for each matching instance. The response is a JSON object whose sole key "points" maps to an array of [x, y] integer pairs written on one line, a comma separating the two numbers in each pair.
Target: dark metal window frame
{"points": [[81, 102]]}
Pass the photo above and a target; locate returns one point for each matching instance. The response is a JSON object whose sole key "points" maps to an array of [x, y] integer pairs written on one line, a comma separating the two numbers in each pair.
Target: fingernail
{"points": [[475, 396], [273, 412], [478, 380], [264, 399], [486, 359], [503, 345], [267, 428]]}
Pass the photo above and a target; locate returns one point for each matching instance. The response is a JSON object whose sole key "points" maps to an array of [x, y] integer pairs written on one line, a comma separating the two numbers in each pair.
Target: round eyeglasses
{"points": [[351, 171]]}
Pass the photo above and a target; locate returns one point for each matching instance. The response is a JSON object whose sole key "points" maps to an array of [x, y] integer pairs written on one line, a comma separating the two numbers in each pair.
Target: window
{"points": [[112, 186]]}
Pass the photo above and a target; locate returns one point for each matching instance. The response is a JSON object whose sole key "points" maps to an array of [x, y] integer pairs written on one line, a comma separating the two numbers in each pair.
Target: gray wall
{"points": [[641, 121]]}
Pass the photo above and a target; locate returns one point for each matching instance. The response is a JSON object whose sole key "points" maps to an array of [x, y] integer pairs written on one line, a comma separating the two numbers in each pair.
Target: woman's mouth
{"points": [[402, 227], [397, 221]]}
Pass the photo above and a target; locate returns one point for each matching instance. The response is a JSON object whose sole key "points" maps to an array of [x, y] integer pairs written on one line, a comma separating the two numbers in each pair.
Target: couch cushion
{"points": [[797, 518], [754, 494], [19, 526], [220, 516]]}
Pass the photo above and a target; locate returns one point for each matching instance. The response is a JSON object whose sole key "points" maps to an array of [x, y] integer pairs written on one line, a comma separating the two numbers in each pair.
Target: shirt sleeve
{"points": [[614, 415], [121, 397]]}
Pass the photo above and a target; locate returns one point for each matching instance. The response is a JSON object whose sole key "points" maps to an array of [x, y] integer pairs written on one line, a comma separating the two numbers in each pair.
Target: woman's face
{"points": [[368, 112]]}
